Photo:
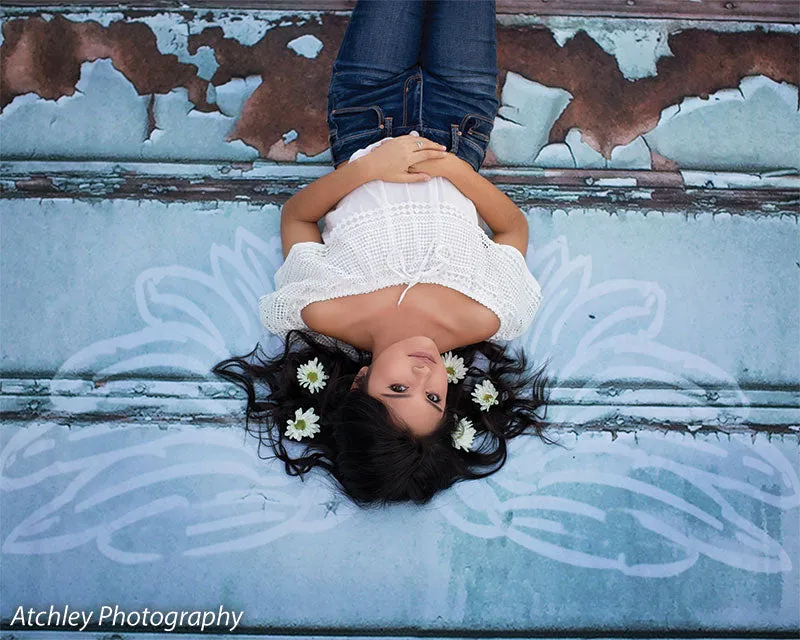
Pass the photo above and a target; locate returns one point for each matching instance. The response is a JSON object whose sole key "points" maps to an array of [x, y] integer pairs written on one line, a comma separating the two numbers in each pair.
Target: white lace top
{"points": [[388, 233]]}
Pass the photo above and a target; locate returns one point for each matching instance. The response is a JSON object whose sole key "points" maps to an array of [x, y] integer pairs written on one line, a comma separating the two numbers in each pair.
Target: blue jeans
{"points": [[423, 65]]}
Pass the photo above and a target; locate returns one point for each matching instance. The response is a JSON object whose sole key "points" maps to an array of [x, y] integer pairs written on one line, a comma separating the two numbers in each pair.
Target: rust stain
{"points": [[662, 163], [283, 152], [611, 110], [151, 116], [293, 93], [45, 58]]}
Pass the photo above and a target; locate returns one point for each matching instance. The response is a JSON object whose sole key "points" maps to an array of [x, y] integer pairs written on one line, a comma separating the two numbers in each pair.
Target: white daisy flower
{"points": [[463, 435], [303, 425], [485, 395], [455, 367], [311, 375]]}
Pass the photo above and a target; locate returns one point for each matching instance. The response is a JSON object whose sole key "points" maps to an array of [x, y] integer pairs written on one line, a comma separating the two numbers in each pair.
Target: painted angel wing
{"points": [[647, 504], [200, 489]]}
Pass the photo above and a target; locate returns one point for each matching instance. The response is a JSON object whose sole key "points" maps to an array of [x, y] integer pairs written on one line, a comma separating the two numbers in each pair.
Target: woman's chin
{"points": [[423, 342]]}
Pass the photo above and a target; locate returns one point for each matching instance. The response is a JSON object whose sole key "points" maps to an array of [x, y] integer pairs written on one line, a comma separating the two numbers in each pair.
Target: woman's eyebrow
{"points": [[405, 395]]}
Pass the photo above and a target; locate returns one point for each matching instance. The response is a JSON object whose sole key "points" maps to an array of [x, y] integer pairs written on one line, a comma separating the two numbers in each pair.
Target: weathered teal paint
{"points": [[98, 270], [644, 532], [753, 127], [670, 315]]}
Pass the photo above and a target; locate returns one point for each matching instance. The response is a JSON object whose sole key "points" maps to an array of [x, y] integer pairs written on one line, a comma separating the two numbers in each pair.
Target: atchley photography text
{"points": [[112, 616]]}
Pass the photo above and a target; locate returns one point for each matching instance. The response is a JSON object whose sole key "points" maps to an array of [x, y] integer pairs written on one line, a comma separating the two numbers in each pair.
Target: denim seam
{"points": [[437, 130], [473, 143], [421, 98], [356, 109], [360, 134], [477, 134], [405, 97]]}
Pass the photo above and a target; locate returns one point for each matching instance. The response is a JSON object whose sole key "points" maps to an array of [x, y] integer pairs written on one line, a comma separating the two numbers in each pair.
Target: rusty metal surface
{"points": [[757, 10], [147, 151], [613, 100], [605, 189]]}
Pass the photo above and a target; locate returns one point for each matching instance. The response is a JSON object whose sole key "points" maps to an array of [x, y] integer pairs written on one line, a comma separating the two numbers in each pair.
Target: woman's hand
{"points": [[440, 167], [390, 161]]}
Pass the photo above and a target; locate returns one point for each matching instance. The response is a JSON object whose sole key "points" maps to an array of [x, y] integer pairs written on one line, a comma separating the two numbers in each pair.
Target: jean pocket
{"points": [[476, 127], [347, 123]]}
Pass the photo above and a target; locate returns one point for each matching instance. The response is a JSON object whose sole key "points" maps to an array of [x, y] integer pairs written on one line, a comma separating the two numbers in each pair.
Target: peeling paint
{"points": [[635, 155], [104, 18], [636, 46], [232, 96], [584, 155], [730, 180], [324, 158], [173, 41], [609, 109], [45, 58], [205, 62], [554, 156], [108, 118], [754, 127], [271, 80], [616, 182], [249, 27], [206, 185], [630, 38], [307, 46], [527, 113], [291, 104], [623, 408], [668, 25], [104, 117], [188, 133]]}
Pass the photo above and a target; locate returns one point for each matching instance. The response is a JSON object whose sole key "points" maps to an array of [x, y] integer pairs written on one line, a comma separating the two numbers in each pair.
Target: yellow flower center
{"points": [[301, 425], [451, 371], [312, 376]]}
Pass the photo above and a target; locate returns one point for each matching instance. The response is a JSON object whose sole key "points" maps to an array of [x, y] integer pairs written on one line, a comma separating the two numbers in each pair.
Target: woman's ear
{"points": [[359, 376]]}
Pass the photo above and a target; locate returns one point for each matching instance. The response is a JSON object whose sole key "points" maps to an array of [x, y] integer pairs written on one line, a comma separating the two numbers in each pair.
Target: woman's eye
{"points": [[398, 388], [434, 397]]}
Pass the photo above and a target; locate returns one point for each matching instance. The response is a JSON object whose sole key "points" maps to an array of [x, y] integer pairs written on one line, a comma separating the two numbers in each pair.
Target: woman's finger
{"points": [[416, 177], [428, 154], [428, 144]]}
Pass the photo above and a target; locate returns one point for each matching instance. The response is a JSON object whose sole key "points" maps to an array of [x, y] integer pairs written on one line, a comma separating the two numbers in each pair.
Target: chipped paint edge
{"points": [[618, 407]]}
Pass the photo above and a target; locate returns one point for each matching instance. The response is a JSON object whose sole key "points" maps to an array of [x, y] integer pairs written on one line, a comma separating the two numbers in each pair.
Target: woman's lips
{"points": [[420, 354]]}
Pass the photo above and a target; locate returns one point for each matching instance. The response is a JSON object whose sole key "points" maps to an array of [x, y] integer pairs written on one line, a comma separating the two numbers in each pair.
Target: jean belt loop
{"points": [[454, 135]]}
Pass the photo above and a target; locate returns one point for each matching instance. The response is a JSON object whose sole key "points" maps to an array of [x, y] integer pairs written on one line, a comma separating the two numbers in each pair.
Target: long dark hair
{"points": [[375, 460]]}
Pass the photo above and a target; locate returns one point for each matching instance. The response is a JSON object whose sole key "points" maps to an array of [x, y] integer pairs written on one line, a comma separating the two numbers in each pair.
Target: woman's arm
{"points": [[389, 161], [313, 201], [504, 218], [301, 212]]}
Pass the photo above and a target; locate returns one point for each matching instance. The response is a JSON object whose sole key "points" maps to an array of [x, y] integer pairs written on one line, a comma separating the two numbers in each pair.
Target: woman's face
{"points": [[410, 379]]}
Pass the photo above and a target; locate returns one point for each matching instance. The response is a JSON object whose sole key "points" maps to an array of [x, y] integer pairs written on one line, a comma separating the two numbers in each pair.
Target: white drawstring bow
{"points": [[435, 260]]}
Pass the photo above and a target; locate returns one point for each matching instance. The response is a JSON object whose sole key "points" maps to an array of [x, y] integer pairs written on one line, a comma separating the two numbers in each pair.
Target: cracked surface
{"points": [[44, 56], [611, 110]]}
